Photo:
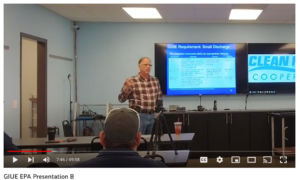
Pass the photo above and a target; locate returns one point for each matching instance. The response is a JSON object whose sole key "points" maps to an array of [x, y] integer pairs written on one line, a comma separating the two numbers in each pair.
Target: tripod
{"points": [[157, 132]]}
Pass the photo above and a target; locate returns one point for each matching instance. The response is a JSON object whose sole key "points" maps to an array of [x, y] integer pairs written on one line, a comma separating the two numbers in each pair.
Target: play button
{"points": [[14, 159]]}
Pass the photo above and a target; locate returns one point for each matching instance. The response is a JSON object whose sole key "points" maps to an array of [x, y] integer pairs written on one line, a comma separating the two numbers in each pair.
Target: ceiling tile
{"points": [[180, 13], [184, 13], [269, 21], [273, 15], [174, 6], [118, 19], [214, 21], [281, 6], [69, 11], [212, 6], [186, 20], [208, 14], [89, 19], [293, 17], [106, 11], [249, 6], [291, 21]]}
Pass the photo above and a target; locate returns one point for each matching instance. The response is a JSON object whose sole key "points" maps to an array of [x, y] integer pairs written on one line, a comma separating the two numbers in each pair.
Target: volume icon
{"points": [[46, 159]]}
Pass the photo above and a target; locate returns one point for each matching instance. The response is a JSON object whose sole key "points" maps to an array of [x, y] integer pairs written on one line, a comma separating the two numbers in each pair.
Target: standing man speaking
{"points": [[142, 91]]}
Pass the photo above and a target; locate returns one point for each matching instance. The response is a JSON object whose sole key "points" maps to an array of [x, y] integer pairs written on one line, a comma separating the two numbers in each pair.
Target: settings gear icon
{"points": [[219, 159]]}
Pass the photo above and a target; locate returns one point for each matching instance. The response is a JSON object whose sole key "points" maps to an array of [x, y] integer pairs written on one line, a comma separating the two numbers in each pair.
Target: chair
{"points": [[143, 146], [155, 156], [43, 164], [95, 146], [87, 131], [68, 133], [67, 128]]}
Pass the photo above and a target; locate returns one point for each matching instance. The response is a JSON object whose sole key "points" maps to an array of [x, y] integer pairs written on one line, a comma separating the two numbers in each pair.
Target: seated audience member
{"points": [[9, 146], [120, 138]]}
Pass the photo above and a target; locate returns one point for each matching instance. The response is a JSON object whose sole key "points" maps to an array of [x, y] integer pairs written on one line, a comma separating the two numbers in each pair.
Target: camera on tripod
{"points": [[157, 130], [159, 106]]}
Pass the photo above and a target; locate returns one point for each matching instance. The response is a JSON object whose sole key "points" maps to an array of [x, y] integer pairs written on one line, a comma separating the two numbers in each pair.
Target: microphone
{"points": [[200, 107], [69, 75]]}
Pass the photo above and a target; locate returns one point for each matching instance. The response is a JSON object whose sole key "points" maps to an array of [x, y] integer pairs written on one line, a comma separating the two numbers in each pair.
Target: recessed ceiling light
{"points": [[143, 13], [244, 14]]}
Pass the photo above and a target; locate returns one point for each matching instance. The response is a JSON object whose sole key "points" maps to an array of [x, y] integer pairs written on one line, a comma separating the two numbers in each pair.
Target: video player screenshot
{"points": [[155, 90]]}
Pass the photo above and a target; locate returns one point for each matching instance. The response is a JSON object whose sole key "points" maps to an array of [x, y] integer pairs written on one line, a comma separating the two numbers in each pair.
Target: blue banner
{"points": [[263, 68]]}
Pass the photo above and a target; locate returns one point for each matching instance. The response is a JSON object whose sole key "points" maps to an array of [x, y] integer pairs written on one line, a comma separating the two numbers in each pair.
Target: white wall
{"points": [[37, 21]]}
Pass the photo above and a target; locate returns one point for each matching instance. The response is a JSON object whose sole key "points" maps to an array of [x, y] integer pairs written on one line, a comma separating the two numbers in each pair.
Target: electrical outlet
{"points": [[15, 104]]}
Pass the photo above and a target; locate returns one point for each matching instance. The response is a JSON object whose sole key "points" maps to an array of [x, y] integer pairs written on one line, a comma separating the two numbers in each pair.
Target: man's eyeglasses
{"points": [[147, 65]]}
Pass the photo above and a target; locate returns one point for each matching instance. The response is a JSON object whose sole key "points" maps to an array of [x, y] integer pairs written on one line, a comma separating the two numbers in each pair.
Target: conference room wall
{"points": [[37, 21], [108, 53]]}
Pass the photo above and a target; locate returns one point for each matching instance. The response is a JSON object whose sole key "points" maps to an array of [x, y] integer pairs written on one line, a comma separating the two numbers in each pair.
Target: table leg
{"points": [[272, 135]]}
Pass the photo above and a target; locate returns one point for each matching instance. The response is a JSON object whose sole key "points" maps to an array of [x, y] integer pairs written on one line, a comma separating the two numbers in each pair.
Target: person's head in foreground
{"points": [[121, 129], [120, 138]]}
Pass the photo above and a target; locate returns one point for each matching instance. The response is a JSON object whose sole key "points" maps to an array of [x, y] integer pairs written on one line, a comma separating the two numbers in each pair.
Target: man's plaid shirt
{"points": [[144, 92]]}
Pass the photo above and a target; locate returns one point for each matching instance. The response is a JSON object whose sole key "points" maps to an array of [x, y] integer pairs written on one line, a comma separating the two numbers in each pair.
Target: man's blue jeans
{"points": [[146, 123]]}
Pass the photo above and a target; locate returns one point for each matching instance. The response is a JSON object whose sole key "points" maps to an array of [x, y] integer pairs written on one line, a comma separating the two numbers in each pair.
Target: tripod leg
{"points": [[151, 139], [159, 133], [156, 126], [171, 139]]}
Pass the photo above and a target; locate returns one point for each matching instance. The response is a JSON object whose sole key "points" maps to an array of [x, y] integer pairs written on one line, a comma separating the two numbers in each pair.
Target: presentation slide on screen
{"points": [[271, 68], [201, 69]]}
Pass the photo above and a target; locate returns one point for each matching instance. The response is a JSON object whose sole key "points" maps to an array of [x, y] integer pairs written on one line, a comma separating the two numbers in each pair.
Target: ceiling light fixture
{"points": [[142, 13], [244, 14]]}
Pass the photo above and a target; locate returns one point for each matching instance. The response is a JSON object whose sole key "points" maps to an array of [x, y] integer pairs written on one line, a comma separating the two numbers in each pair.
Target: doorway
{"points": [[33, 86]]}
